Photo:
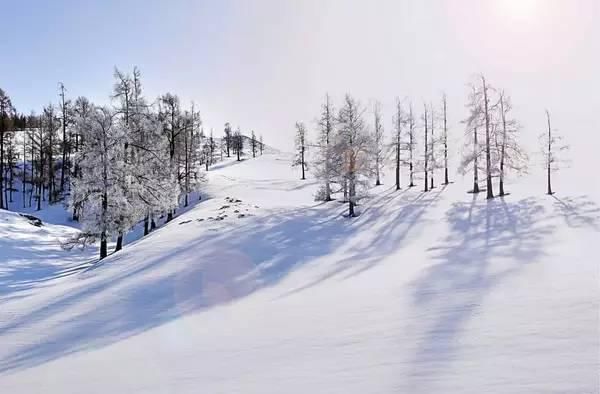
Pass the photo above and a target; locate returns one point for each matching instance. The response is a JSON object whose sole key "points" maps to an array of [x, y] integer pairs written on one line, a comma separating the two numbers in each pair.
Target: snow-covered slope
{"points": [[261, 290]]}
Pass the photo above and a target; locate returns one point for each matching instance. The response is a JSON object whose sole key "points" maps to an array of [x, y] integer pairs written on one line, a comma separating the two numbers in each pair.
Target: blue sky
{"points": [[265, 64]]}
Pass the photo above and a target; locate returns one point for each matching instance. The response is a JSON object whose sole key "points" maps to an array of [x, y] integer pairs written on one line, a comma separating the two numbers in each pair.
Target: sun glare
{"points": [[518, 9]]}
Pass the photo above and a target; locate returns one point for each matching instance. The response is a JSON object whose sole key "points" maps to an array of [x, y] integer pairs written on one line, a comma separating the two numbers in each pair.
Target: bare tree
{"points": [[411, 145], [378, 146], [432, 149], [50, 124], [261, 144], [170, 117], [65, 143], [5, 110], [212, 146], [253, 144], [485, 89], [353, 145], [552, 145], [445, 116], [478, 120], [426, 146], [238, 143], [510, 153], [325, 160], [397, 142], [301, 143], [228, 134]]}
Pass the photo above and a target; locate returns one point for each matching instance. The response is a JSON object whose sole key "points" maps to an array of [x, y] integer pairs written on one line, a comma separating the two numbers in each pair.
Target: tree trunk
{"points": [[475, 162], [397, 162], [146, 225], [103, 245], [549, 159], [377, 180], [351, 202], [446, 179], [411, 153], [303, 171], [488, 153], [2, 162], [426, 153], [503, 147], [432, 148], [119, 245]]}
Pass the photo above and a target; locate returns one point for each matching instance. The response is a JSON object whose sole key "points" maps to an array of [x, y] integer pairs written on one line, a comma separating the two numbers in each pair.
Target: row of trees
{"points": [[234, 142], [492, 140], [116, 165], [350, 153]]}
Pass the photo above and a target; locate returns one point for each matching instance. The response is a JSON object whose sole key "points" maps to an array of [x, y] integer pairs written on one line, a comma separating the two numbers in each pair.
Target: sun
{"points": [[518, 9]]}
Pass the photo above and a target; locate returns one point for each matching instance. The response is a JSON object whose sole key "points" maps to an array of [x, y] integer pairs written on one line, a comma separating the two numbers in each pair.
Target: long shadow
{"points": [[133, 292], [216, 268], [578, 211], [225, 164], [466, 268], [24, 264], [389, 233]]}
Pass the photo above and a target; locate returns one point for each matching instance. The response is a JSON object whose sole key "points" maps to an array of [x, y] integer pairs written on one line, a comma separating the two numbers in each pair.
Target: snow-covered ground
{"points": [[259, 289]]}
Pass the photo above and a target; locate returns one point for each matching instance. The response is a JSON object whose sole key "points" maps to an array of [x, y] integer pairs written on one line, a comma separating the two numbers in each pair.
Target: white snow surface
{"points": [[439, 292]]}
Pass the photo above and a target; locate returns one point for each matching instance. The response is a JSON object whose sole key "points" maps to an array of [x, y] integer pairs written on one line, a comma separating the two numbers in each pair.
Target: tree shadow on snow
{"points": [[578, 211], [133, 292], [489, 242]]}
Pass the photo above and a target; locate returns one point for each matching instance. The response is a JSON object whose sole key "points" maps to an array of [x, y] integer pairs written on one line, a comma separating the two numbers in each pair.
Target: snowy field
{"points": [[259, 289]]}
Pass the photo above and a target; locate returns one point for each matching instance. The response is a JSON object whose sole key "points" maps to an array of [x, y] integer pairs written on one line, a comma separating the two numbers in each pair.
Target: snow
{"points": [[439, 292]]}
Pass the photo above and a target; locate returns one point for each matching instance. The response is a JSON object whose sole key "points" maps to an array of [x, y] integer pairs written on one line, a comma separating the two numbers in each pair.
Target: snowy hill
{"points": [[260, 289]]}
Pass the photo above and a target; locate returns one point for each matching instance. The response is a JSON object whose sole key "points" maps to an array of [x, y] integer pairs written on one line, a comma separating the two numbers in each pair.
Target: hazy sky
{"points": [[264, 64]]}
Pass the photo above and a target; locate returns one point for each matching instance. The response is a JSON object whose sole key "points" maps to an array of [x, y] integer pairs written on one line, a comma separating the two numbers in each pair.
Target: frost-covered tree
{"points": [[65, 141], [261, 144], [191, 153], [156, 188], [511, 155], [153, 186], [398, 144], [378, 136], [99, 189], [301, 145], [254, 144], [481, 112], [81, 110], [432, 157], [212, 146], [552, 147], [411, 144], [6, 109], [473, 151], [353, 145], [228, 138], [170, 117], [238, 143], [325, 161], [206, 153], [445, 137], [426, 147], [50, 126], [484, 95]]}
